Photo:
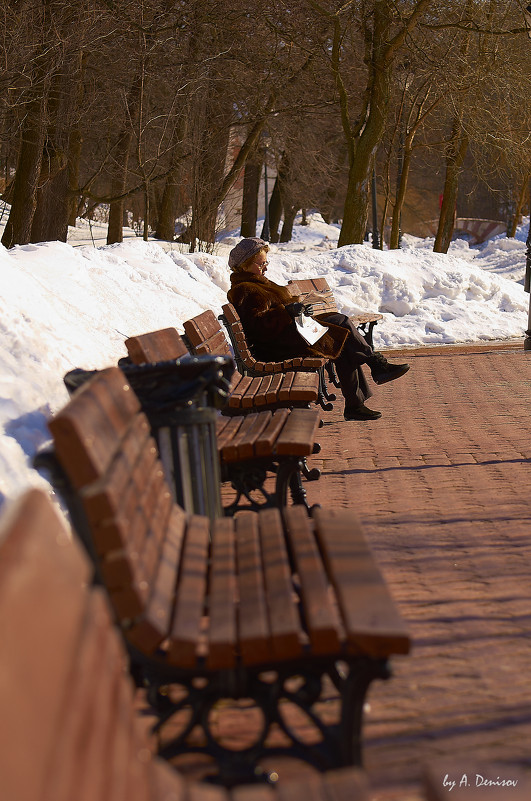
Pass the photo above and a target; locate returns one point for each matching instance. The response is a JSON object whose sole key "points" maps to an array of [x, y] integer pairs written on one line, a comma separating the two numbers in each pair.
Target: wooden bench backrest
{"points": [[254, 366], [206, 336], [156, 346], [103, 442], [303, 287], [238, 335], [68, 727]]}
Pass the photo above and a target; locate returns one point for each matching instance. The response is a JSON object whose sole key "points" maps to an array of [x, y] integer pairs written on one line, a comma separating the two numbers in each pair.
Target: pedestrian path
{"points": [[442, 485]]}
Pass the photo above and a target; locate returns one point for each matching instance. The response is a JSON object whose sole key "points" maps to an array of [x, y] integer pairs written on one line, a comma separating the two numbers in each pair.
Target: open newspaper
{"points": [[310, 329]]}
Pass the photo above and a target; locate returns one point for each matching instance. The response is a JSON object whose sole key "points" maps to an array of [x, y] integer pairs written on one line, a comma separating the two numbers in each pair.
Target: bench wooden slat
{"points": [[190, 597], [158, 346], [147, 498], [141, 517], [42, 602], [215, 345], [98, 744], [362, 319], [298, 435], [248, 401], [265, 443], [274, 386], [242, 445], [81, 689], [129, 600], [286, 631], [238, 391], [260, 397], [222, 634], [229, 430], [201, 327], [255, 643], [321, 617], [127, 777], [284, 392], [148, 631], [103, 497], [304, 387], [372, 622]]}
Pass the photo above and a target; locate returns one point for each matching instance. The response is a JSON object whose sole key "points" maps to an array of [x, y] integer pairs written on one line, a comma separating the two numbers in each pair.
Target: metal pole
{"points": [[527, 280], [399, 180], [265, 230], [375, 238]]}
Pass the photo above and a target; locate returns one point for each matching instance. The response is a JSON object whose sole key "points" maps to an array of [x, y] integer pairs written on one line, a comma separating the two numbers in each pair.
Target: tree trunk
{"points": [[455, 156], [168, 206], [209, 175], [251, 183], [24, 196], [50, 221], [122, 153], [276, 202], [394, 240], [511, 230], [74, 160], [363, 145], [75, 145], [287, 227]]}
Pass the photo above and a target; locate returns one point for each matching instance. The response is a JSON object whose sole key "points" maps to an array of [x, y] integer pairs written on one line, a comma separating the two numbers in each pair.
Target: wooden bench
{"points": [[303, 288], [70, 726], [293, 382], [259, 606], [251, 447]]}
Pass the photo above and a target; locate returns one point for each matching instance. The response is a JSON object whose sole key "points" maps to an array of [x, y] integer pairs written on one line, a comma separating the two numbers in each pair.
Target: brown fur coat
{"points": [[269, 328]]}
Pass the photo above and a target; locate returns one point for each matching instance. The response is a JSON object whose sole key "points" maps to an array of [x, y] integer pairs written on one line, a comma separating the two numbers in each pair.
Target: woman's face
{"points": [[258, 266]]}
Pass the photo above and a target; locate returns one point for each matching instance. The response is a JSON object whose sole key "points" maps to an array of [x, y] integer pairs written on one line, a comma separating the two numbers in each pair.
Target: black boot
{"points": [[360, 412], [383, 371]]}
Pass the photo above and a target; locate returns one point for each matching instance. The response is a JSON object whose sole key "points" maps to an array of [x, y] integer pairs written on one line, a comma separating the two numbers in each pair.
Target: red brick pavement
{"points": [[442, 485]]}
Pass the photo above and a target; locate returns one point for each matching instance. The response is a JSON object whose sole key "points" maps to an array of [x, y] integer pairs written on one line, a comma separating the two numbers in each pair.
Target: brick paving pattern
{"points": [[441, 484]]}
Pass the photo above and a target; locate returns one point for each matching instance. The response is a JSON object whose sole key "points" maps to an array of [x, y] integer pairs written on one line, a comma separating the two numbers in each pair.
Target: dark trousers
{"points": [[356, 351]]}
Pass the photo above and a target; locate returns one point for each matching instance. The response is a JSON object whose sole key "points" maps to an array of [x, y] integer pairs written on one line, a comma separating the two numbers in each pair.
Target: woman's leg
{"points": [[356, 351]]}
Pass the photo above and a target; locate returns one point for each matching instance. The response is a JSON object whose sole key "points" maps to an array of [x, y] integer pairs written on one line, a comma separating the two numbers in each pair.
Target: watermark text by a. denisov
{"points": [[477, 780]]}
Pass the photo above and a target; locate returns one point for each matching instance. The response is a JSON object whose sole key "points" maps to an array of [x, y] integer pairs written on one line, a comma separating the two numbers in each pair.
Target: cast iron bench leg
{"points": [[324, 397]]}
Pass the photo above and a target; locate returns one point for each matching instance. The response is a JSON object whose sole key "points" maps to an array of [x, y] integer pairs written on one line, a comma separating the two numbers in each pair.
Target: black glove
{"points": [[308, 309], [294, 309]]}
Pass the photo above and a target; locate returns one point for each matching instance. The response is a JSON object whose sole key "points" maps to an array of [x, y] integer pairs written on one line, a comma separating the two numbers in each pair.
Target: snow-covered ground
{"points": [[73, 305]]}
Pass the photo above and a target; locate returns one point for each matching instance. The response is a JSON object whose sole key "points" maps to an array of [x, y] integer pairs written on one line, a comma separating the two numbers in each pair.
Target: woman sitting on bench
{"points": [[268, 313]]}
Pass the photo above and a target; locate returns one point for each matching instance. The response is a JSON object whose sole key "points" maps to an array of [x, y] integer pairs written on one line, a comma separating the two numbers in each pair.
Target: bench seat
{"points": [[225, 599]]}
